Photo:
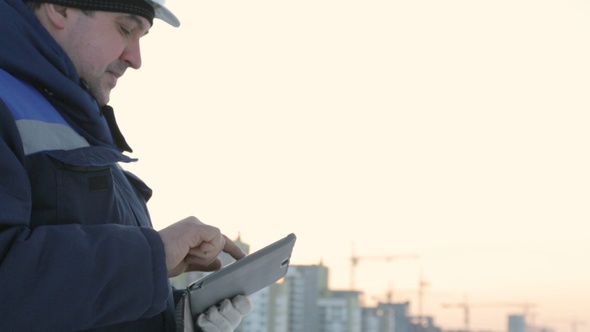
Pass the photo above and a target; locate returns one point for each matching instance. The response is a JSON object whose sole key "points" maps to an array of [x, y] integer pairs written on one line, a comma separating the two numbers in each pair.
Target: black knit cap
{"points": [[134, 7]]}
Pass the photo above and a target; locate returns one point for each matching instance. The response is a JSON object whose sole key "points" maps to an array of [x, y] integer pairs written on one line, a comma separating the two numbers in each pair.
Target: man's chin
{"points": [[103, 102], [101, 93], [104, 98]]}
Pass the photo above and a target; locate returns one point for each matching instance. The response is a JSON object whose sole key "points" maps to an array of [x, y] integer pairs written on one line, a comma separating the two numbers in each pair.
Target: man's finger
{"points": [[232, 249], [242, 304], [214, 316], [231, 314], [206, 325]]}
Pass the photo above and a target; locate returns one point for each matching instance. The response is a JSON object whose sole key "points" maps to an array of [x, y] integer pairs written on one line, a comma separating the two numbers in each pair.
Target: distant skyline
{"points": [[496, 311], [455, 130]]}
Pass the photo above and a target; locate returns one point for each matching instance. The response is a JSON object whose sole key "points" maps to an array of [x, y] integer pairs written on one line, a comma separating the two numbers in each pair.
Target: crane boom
{"points": [[354, 260]]}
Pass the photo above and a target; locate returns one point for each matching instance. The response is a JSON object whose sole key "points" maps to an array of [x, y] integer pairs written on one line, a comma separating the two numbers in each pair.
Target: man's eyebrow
{"points": [[137, 21]]}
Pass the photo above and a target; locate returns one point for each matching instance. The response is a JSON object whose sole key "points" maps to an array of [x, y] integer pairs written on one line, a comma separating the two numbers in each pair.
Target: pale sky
{"points": [[458, 131]]}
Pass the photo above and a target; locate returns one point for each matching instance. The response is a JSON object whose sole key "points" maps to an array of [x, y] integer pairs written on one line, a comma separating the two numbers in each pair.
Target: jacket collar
{"points": [[36, 57]]}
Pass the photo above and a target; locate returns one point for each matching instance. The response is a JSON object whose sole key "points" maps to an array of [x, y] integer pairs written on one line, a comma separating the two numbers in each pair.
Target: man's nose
{"points": [[132, 55]]}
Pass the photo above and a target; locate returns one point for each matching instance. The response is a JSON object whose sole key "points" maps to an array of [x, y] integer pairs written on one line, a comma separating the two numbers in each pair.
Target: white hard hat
{"points": [[164, 13]]}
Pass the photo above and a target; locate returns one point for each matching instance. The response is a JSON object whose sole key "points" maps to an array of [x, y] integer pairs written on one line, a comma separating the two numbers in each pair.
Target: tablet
{"points": [[242, 277]]}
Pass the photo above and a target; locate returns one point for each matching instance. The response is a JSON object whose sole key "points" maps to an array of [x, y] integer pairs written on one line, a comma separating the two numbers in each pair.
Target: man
{"points": [[77, 248]]}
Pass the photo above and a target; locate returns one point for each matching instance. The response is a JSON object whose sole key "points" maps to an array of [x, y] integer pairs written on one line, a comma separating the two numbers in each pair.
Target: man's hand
{"points": [[226, 316], [191, 245]]}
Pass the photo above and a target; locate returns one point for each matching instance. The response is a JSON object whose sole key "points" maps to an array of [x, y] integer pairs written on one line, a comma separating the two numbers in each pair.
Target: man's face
{"points": [[102, 46]]}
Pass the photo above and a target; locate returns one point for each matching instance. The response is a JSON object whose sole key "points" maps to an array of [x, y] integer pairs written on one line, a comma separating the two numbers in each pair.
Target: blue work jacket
{"points": [[77, 248]]}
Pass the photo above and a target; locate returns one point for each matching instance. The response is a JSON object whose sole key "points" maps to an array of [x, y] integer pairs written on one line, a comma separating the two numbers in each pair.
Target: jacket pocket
{"points": [[84, 186], [85, 196]]}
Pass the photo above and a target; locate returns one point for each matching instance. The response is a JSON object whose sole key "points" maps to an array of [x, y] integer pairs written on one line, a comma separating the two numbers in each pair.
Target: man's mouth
{"points": [[115, 76]]}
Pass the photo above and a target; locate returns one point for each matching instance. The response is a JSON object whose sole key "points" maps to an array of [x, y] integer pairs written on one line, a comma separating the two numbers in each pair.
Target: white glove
{"points": [[225, 316]]}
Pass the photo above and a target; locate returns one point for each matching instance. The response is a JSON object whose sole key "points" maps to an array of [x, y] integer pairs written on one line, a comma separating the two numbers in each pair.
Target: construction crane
{"points": [[354, 260], [462, 305], [421, 285], [466, 306]]}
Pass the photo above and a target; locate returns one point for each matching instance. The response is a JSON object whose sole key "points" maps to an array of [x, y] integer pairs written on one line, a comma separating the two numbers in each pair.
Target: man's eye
{"points": [[124, 30]]}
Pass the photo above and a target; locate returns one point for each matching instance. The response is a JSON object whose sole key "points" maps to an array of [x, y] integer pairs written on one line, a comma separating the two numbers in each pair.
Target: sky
{"points": [[451, 135]]}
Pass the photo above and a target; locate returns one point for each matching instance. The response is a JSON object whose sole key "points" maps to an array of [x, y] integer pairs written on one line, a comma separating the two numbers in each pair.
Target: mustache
{"points": [[117, 68]]}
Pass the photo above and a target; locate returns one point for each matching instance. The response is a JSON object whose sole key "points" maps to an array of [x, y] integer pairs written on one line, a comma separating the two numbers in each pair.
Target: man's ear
{"points": [[57, 15]]}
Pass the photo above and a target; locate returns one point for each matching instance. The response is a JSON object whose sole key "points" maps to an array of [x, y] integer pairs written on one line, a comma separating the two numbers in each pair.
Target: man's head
{"points": [[101, 37]]}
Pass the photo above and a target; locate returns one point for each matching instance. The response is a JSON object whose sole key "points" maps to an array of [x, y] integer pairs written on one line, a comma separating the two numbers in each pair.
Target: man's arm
{"points": [[70, 277]]}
